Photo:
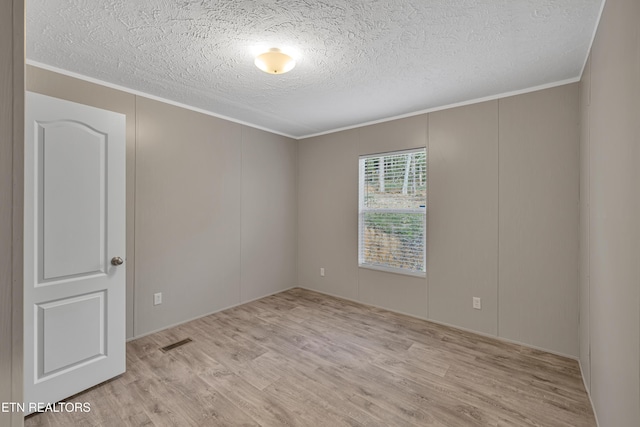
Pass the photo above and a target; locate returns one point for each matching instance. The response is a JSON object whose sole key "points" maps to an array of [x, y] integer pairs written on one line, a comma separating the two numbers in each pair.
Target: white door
{"points": [[74, 237]]}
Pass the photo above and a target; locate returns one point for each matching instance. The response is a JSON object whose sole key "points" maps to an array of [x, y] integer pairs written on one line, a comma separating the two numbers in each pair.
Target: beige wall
{"points": [[11, 202], [610, 267], [538, 216], [268, 214], [502, 217], [211, 206], [328, 216], [187, 223], [585, 295], [463, 216]]}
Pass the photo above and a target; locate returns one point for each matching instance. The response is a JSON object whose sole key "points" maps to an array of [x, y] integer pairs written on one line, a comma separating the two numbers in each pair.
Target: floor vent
{"points": [[176, 344]]}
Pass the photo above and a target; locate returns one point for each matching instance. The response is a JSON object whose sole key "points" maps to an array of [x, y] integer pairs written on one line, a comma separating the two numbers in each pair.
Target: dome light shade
{"points": [[274, 61]]}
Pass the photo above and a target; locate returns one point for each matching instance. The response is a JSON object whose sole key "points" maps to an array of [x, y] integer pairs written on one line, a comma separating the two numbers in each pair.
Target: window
{"points": [[392, 214]]}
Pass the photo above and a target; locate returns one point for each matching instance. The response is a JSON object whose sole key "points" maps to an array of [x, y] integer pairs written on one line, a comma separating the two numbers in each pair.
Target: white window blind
{"points": [[392, 214]]}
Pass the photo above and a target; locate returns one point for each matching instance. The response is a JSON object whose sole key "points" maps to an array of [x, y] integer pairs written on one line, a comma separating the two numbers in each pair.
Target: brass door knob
{"points": [[116, 260]]}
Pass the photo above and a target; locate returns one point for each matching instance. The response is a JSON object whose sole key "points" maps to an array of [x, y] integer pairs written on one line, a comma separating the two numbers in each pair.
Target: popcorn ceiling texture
{"points": [[357, 60]]}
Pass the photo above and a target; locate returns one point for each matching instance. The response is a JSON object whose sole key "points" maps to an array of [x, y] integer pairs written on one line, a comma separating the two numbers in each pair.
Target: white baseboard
{"points": [[460, 328], [588, 389], [182, 322]]}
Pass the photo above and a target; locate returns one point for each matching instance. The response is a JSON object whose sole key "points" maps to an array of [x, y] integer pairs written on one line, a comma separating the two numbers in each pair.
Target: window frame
{"points": [[362, 210]]}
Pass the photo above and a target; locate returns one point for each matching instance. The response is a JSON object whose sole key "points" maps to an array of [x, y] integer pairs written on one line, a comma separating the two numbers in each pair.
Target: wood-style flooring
{"points": [[300, 358]]}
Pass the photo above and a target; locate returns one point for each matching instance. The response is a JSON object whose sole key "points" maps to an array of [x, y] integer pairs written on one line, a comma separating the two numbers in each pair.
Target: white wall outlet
{"points": [[477, 303], [322, 271], [157, 298]]}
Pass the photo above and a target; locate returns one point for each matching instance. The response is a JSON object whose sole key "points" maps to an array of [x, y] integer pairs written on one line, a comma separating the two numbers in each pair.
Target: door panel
{"points": [[74, 322], [74, 198], [70, 332]]}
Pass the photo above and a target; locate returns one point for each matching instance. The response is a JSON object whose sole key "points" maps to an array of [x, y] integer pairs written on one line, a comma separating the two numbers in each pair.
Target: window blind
{"points": [[392, 213]]}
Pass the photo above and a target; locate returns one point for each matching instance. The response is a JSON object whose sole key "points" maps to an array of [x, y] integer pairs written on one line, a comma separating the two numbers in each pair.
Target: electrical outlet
{"points": [[322, 271], [157, 298], [477, 303]]}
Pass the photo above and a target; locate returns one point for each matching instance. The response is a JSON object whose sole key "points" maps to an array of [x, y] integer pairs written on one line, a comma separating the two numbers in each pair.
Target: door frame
{"points": [[12, 91]]}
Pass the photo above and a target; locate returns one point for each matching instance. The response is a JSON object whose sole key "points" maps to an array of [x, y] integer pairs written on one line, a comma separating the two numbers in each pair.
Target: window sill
{"points": [[420, 274]]}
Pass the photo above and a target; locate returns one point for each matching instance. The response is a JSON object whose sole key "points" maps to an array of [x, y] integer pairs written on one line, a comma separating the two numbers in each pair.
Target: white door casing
{"points": [[74, 225]]}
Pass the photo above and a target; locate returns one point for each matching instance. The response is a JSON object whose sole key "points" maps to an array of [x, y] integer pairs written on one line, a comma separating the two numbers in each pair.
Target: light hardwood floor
{"points": [[300, 358]]}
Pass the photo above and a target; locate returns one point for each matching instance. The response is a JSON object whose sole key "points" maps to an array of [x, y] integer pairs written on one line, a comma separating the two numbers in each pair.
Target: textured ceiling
{"points": [[357, 60]]}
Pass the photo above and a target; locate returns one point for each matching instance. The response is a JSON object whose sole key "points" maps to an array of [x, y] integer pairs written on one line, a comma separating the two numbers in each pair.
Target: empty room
{"points": [[340, 212]]}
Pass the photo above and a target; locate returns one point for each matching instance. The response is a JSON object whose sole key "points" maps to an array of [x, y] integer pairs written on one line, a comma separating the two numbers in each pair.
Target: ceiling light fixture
{"points": [[274, 61]]}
